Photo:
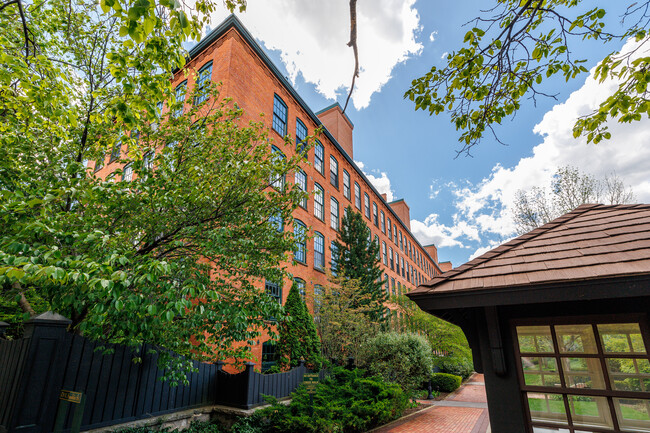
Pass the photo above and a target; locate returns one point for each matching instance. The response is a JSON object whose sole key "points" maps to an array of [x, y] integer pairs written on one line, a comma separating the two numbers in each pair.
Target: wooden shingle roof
{"points": [[591, 242]]}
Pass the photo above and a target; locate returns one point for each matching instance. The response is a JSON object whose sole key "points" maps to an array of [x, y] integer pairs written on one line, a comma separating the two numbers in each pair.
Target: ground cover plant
{"points": [[445, 382]]}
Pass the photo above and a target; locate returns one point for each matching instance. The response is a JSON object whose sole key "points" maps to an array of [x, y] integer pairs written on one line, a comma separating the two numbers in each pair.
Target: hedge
{"points": [[445, 382]]}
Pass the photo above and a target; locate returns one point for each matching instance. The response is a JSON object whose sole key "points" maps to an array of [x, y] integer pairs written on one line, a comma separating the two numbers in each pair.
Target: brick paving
{"points": [[454, 418]]}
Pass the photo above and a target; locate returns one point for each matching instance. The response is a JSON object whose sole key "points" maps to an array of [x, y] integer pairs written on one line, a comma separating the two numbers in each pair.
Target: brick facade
{"points": [[252, 81]]}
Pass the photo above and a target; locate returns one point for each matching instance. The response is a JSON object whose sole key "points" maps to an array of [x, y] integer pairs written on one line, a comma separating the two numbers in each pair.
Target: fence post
{"points": [[41, 381], [3, 329], [250, 385]]}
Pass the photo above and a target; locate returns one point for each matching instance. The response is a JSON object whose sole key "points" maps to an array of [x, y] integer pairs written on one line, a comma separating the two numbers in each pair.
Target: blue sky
{"points": [[460, 204]]}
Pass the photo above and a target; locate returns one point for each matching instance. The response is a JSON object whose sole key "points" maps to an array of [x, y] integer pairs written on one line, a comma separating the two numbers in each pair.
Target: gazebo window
{"points": [[585, 375]]}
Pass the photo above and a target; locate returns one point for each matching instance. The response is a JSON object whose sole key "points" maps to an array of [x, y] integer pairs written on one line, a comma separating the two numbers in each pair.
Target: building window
{"points": [[395, 235], [300, 235], [203, 83], [277, 222], [115, 152], [300, 285], [366, 203], [403, 273], [179, 94], [319, 251], [345, 212], [401, 241], [334, 213], [301, 181], [387, 283], [375, 215], [269, 355], [357, 195], [319, 202], [378, 250], [318, 297], [383, 253], [278, 181], [279, 116], [389, 230], [301, 136], [147, 160], [274, 291], [319, 157], [383, 221], [585, 375], [346, 184], [390, 258], [334, 265], [408, 273], [99, 164], [127, 173], [392, 283], [397, 263], [334, 172]]}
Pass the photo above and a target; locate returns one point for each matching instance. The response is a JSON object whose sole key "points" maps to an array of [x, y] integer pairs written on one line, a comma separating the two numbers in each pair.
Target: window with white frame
{"points": [[277, 181], [319, 251], [179, 95], [357, 195], [319, 157], [203, 81], [319, 202], [334, 213], [334, 172], [300, 235], [366, 204], [346, 184], [301, 182]]}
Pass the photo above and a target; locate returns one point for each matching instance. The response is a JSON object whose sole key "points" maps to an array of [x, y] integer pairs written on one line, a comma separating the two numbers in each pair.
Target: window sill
{"points": [[298, 262], [321, 270]]}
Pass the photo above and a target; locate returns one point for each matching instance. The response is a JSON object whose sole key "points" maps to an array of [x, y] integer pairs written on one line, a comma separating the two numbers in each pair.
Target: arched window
{"points": [[301, 182], [300, 233], [375, 216], [383, 253], [274, 290], [127, 173], [319, 202], [279, 116], [334, 172], [334, 213], [334, 264], [301, 135], [278, 181], [346, 184], [366, 203], [319, 157], [203, 80], [319, 251], [357, 195], [179, 93], [389, 230], [300, 284], [383, 221]]}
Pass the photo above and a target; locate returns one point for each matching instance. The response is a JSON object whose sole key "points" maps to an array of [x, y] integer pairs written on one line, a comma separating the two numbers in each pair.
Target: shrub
{"points": [[457, 365], [401, 358], [346, 402], [444, 382]]}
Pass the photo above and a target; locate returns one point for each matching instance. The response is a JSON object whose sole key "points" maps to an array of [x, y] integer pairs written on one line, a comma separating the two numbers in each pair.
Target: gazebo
{"points": [[557, 320]]}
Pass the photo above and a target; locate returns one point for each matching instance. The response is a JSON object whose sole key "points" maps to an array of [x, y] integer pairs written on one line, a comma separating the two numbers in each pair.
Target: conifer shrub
{"points": [[445, 382]]}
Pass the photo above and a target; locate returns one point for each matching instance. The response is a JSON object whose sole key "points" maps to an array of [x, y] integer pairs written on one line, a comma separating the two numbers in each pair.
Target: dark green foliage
{"points": [[298, 337], [195, 427], [344, 402], [457, 365], [401, 358], [13, 315], [357, 257], [445, 382]]}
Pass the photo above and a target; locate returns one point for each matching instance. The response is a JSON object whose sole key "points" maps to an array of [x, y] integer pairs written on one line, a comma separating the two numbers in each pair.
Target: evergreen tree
{"points": [[356, 256], [298, 337]]}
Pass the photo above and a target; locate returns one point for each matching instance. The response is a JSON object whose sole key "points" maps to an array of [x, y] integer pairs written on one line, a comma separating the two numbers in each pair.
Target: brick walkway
{"points": [[464, 411]]}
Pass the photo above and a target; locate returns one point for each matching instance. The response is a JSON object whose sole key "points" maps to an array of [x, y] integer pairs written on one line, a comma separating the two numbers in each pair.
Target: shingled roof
{"points": [[591, 242]]}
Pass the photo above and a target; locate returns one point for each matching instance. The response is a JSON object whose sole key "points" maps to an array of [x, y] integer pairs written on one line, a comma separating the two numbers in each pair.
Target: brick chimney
{"points": [[339, 125], [433, 251], [445, 266], [402, 210]]}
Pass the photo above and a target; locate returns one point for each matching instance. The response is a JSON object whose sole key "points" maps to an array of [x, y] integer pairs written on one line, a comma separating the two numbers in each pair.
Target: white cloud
{"points": [[431, 231], [485, 208], [381, 182], [444, 55], [312, 37], [432, 36]]}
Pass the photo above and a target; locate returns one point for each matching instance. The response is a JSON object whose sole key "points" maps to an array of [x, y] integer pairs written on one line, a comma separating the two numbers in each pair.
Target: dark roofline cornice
{"points": [[233, 22]]}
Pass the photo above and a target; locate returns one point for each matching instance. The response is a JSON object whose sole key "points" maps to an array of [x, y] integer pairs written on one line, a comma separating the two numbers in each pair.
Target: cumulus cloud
{"points": [[431, 231], [312, 38], [432, 36], [485, 208], [379, 180]]}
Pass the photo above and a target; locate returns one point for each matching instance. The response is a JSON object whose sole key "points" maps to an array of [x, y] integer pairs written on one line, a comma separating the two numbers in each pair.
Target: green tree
{"points": [[298, 339], [357, 257], [515, 46], [343, 318], [569, 189], [168, 250]]}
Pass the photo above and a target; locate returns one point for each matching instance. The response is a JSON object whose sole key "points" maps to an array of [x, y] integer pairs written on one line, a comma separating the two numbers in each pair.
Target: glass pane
{"points": [[631, 374], [590, 411], [549, 430], [540, 371], [583, 373], [535, 339], [621, 338], [576, 339], [547, 407], [633, 414]]}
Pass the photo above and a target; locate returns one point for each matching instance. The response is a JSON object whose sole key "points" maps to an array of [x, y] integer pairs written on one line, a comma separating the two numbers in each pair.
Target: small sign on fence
{"points": [[66, 397], [71, 396], [310, 381]]}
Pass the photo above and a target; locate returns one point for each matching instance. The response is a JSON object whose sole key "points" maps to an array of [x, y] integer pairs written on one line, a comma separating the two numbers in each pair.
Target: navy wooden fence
{"points": [[48, 359]]}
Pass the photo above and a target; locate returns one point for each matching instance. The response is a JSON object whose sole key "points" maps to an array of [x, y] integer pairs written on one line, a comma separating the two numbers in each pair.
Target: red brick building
{"points": [[230, 55]]}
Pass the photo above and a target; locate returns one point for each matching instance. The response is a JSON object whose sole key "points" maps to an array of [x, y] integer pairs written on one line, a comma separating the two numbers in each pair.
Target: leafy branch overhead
{"points": [[516, 46]]}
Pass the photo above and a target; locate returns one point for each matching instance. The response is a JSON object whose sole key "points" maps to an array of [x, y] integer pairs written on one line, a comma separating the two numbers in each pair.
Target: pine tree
{"points": [[298, 337], [357, 257]]}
